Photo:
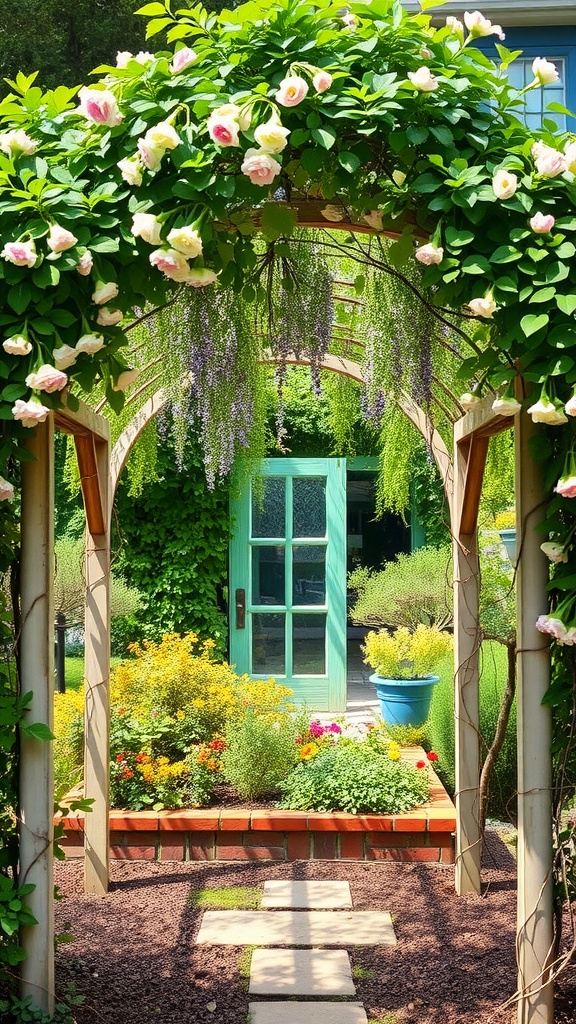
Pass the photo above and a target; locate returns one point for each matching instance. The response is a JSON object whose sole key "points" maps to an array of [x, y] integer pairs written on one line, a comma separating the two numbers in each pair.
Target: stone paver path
{"points": [[324, 974], [307, 1013], [301, 972], [296, 928], [307, 895]]}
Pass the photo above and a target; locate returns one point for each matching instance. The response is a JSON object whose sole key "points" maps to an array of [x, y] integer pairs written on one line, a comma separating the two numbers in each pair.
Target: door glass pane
{"points": [[268, 644], [268, 574], [309, 574], [269, 514], [309, 644], [309, 503]]}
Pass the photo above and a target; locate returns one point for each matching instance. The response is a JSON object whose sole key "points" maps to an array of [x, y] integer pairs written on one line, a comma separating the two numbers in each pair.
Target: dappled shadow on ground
{"points": [[135, 959]]}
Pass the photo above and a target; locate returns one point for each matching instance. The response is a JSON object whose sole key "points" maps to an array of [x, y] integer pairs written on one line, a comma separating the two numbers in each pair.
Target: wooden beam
{"points": [[482, 421], [84, 421], [90, 482], [475, 461], [36, 757], [121, 450]]}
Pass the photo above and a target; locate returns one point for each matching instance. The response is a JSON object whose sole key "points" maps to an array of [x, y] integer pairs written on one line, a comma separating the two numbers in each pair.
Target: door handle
{"points": [[241, 609]]}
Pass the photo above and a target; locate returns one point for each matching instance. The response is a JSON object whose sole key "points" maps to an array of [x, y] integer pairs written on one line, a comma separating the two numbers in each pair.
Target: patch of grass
{"points": [[388, 1018], [360, 973], [227, 898], [244, 965], [74, 671]]}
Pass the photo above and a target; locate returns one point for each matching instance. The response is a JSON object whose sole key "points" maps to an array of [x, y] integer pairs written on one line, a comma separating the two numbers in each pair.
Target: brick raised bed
{"points": [[423, 834]]}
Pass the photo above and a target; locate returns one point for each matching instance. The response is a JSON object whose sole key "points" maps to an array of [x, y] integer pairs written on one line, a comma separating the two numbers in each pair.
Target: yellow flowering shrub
{"points": [[68, 745], [406, 654]]}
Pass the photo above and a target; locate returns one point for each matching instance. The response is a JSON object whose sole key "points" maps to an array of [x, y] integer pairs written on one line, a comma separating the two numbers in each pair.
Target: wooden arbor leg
{"points": [[93, 459], [469, 460], [36, 767], [535, 914]]}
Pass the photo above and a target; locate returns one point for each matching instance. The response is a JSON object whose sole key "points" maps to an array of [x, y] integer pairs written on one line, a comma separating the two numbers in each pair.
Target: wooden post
{"points": [[466, 679], [37, 666], [535, 913], [93, 458]]}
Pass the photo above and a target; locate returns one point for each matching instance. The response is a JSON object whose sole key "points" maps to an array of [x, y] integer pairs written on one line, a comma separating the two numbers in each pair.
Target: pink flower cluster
{"points": [[317, 730]]}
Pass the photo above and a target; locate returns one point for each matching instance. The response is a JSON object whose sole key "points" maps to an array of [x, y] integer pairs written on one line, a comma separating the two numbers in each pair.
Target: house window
{"points": [[536, 100]]}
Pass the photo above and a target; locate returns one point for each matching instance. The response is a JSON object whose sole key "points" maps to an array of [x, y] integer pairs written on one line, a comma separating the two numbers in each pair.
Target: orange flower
{"points": [[308, 751]]}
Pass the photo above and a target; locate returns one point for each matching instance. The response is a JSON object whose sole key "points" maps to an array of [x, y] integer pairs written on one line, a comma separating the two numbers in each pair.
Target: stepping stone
{"points": [[301, 972], [296, 928], [307, 895], [307, 1013]]}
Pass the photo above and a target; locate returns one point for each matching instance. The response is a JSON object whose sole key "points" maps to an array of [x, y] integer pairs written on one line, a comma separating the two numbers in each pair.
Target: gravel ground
{"points": [[135, 960]]}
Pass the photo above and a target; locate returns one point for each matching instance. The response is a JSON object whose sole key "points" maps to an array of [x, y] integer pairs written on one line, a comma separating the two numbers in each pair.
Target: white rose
{"points": [[504, 184], [468, 401], [131, 170], [64, 357], [186, 240], [125, 380], [17, 346], [544, 71], [105, 290], [570, 157], [555, 552], [109, 317], [479, 26], [455, 26], [423, 80], [545, 411], [570, 407], [506, 406], [429, 254], [201, 277], [164, 135], [485, 306], [85, 263], [260, 167], [17, 143], [147, 227], [60, 239], [90, 343], [272, 136], [123, 57]]}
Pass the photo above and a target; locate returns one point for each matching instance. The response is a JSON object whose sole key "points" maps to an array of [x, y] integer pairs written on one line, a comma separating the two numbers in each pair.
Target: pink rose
{"points": [[429, 254], [60, 239], [322, 81], [542, 223], [549, 162], [47, 379], [291, 91], [260, 167], [182, 58], [17, 345], [223, 129], [6, 490], [85, 263], [150, 155], [423, 80], [553, 627], [566, 486], [22, 254], [29, 413], [172, 263], [99, 106]]}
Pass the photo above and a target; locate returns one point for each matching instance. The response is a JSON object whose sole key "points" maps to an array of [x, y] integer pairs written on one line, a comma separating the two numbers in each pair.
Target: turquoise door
{"points": [[288, 579]]}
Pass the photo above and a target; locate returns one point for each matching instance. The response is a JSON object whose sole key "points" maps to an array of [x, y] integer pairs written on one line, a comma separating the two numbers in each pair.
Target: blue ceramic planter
{"points": [[404, 701]]}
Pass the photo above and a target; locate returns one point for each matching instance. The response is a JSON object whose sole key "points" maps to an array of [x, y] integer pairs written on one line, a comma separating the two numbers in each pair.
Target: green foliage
{"points": [[259, 753], [239, 897], [22, 1011], [70, 586], [429, 500], [175, 548], [440, 728], [347, 777], [413, 588]]}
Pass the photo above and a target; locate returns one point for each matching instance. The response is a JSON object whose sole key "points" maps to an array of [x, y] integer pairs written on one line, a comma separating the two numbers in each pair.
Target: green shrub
{"points": [[346, 777], [410, 590], [440, 728], [259, 753]]}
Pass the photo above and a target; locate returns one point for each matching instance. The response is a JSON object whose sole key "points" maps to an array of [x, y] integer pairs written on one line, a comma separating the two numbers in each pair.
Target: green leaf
{"points": [[566, 304], [324, 136], [312, 161], [278, 220], [476, 265], [349, 161], [565, 251], [532, 323], [38, 731], [457, 237], [543, 295], [426, 183], [151, 10], [13, 391], [19, 297], [505, 254]]}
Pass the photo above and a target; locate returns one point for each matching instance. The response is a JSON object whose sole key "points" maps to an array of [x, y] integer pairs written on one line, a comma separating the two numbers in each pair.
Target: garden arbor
{"points": [[162, 176]]}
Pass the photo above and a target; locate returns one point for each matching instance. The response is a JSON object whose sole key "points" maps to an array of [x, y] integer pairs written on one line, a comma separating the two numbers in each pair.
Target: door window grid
{"points": [[536, 100]]}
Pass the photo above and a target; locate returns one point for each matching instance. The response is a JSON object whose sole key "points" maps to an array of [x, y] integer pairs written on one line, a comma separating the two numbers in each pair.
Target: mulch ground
{"points": [[135, 960]]}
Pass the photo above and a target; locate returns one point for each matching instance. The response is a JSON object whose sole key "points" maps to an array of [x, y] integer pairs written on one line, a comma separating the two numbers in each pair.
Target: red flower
{"points": [[119, 758], [432, 756], [121, 711], [420, 764], [217, 745], [127, 773]]}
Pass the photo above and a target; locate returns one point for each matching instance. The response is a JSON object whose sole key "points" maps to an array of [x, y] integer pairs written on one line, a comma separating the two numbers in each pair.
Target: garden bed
{"points": [[236, 834]]}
